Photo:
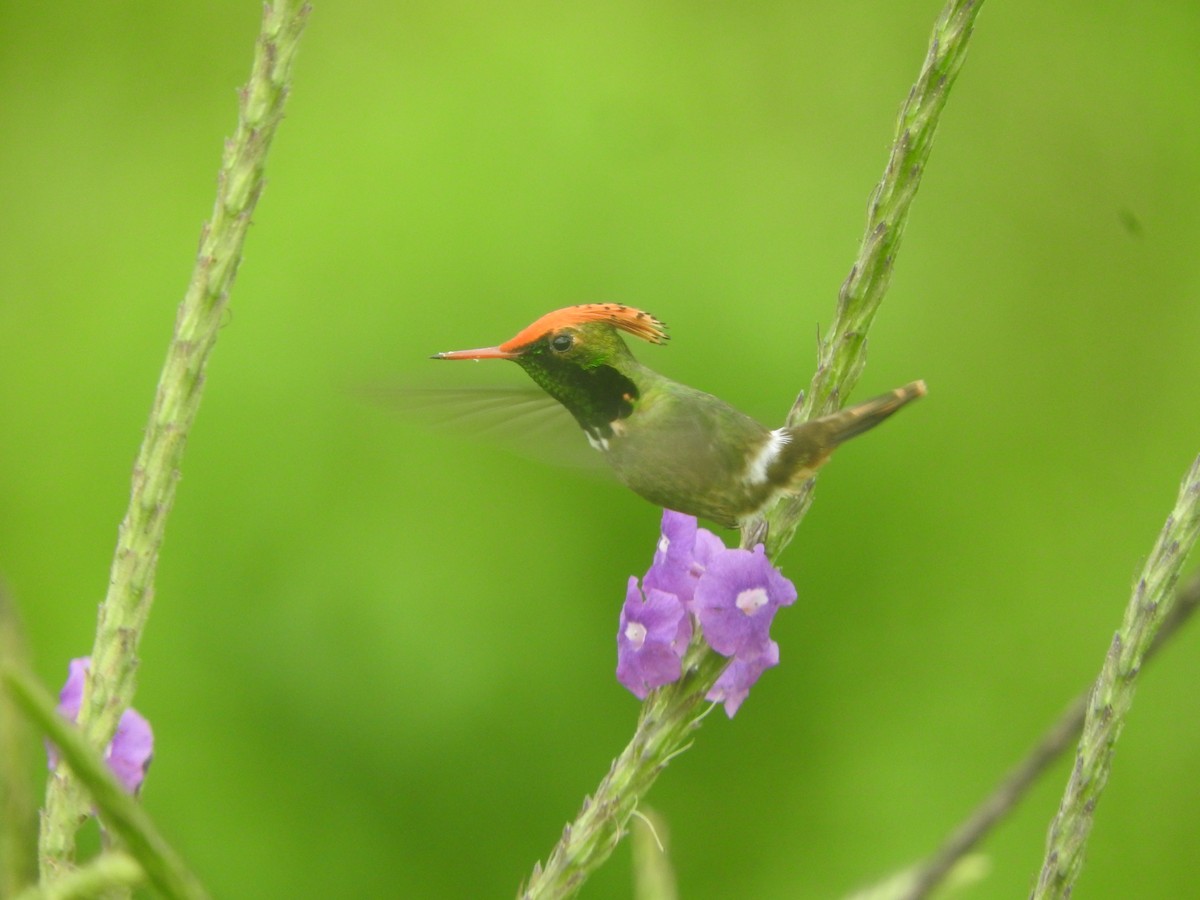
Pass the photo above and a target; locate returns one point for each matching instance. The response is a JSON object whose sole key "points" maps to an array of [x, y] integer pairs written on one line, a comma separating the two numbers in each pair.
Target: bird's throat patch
{"points": [[609, 398], [599, 396]]}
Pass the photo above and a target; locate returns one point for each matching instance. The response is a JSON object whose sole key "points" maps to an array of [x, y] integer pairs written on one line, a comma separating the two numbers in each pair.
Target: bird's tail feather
{"points": [[810, 444], [851, 422]]}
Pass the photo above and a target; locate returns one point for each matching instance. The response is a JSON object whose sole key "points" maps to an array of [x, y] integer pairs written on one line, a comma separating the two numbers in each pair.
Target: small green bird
{"points": [[678, 447]]}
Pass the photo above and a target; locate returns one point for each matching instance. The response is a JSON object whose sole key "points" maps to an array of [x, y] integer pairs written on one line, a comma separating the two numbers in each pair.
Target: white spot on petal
{"points": [[635, 633], [663, 543], [751, 600]]}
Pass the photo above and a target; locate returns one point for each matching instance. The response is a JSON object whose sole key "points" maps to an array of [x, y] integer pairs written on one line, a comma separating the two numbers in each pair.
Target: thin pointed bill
{"points": [[482, 353]]}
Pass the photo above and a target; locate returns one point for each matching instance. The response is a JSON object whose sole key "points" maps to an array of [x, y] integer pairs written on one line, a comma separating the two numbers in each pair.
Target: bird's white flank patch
{"points": [[760, 463], [598, 441]]}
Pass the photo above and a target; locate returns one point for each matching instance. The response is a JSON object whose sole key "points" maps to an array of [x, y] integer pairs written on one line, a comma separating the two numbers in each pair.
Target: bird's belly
{"points": [[704, 478]]}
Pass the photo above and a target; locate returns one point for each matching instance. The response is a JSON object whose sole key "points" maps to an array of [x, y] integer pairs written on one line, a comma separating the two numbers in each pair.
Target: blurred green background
{"points": [[381, 658]]}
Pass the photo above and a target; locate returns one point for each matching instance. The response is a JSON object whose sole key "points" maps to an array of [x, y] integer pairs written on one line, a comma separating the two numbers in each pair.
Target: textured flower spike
{"points": [[132, 746]]}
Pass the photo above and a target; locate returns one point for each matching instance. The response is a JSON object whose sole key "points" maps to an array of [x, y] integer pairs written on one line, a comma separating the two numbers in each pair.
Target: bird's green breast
{"points": [[689, 451]]}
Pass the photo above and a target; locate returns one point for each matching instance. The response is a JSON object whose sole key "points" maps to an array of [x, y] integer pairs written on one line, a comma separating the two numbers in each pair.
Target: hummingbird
{"points": [[676, 446]]}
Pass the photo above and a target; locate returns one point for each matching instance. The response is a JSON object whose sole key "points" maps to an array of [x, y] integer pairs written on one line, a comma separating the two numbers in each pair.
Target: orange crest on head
{"points": [[626, 318]]}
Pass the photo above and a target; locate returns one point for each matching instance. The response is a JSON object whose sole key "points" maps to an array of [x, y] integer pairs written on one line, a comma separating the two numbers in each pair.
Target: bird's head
{"points": [[584, 336], [577, 356]]}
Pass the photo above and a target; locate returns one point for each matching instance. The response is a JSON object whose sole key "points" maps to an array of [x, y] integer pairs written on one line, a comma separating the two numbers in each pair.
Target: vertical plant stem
{"points": [[1112, 694], [670, 714], [122, 813], [668, 717], [653, 876], [109, 688], [101, 878], [920, 880], [18, 810], [842, 353]]}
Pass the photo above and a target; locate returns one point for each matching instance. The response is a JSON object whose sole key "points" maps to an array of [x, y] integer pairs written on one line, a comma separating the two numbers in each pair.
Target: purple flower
{"points": [[132, 746], [735, 682], [653, 634], [733, 594], [683, 552], [131, 750], [736, 600]]}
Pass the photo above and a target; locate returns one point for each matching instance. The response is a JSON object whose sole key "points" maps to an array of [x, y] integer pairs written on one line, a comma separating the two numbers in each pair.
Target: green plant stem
{"points": [[918, 881], [667, 719], [671, 713], [653, 876], [1112, 694], [842, 353], [18, 810], [108, 691], [122, 813], [101, 877]]}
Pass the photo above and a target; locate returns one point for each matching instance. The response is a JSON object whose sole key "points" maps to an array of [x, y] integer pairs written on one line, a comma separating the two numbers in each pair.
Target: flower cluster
{"points": [[132, 746], [731, 595]]}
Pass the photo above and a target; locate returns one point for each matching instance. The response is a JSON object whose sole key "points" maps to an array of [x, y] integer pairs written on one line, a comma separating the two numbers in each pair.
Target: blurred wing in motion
{"points": [[523, 420]]}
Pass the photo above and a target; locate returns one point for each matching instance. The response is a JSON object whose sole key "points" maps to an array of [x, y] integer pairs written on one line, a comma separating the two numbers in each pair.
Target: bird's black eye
{"points": [[561, 342]]}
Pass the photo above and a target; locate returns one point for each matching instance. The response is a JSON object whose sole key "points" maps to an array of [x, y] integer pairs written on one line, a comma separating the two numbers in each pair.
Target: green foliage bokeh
{"points": [[381, 658]]}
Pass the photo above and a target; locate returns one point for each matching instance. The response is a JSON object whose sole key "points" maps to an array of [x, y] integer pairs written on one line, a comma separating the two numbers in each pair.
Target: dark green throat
{"points": [[594, 392]]}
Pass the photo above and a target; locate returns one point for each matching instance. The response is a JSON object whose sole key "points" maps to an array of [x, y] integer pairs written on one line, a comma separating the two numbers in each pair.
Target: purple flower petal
{"points": [[131, 750], [129, 753], [683, 552], [708, 546], [734, 595], [653, 634], [678, 535], [71, 696], [736, 599], [735, 682]]}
